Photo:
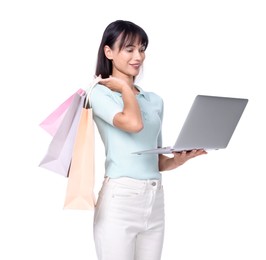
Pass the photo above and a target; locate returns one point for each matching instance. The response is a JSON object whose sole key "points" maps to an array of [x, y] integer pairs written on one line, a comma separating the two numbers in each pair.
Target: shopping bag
{"points": [[59, 153], [80, 185], [52, 122]]}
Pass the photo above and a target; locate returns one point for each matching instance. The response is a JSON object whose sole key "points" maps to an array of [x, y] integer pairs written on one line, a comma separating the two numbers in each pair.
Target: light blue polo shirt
{"points": [[119, 145]]}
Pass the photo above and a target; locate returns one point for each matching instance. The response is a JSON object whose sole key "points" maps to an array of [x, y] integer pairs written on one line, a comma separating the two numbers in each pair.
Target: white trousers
{"points": [[129, 220]]}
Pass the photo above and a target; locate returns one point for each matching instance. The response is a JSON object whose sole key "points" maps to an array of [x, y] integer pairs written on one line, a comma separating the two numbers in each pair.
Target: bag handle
{"points": [[95, 81]]}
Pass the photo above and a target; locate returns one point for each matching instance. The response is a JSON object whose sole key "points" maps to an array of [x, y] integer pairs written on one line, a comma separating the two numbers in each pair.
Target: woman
{"points": [[129, 215]]}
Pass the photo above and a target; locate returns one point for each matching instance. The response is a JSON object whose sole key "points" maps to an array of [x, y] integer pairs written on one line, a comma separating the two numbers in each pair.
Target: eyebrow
{"points": [[132, 45]]}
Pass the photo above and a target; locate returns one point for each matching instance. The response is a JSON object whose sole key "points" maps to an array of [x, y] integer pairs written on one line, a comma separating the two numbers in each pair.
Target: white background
{"points": [[215, 204]]}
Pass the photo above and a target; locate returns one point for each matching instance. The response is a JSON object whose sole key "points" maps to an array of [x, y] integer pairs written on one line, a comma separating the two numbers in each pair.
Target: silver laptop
{"points": [[209, 125]]}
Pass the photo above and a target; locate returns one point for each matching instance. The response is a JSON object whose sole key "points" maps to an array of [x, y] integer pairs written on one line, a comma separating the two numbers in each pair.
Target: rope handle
{"points": [[89, 89]]}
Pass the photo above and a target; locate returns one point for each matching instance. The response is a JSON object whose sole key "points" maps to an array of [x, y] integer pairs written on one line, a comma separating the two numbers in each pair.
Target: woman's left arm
{"points": [[169, 163]]}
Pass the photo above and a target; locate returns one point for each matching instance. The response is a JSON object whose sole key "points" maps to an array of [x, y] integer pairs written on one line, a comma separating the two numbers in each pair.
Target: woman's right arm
{"points": [[129, 119]]}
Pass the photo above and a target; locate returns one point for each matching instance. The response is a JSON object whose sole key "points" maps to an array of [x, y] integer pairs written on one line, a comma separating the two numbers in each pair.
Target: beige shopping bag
{"points": [[80, 186]]}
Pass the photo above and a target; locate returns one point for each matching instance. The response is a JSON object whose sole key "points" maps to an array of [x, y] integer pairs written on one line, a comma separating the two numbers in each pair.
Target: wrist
{"points": [[125, 88]]}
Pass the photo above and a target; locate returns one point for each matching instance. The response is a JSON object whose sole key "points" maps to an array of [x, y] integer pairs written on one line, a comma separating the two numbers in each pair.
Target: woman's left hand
{"points": [[181, 157], [166, 163]]}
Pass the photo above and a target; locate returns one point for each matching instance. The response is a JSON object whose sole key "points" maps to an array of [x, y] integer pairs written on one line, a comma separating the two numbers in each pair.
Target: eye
{"points": [[129, 49], [142, 49]]}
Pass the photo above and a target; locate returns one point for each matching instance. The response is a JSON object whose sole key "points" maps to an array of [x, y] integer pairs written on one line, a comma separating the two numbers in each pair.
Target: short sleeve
{"points": [[104, 105]]}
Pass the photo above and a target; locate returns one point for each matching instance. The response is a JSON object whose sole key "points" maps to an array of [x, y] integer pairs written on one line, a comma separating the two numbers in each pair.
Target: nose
{"points": [[138, 55]]}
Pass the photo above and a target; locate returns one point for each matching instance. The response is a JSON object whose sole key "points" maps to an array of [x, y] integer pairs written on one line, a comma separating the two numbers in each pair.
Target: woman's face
{"points": [[127, 61]]}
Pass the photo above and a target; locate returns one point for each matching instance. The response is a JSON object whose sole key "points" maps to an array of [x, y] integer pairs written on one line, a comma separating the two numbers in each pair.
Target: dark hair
{"points": [[129, 33]]}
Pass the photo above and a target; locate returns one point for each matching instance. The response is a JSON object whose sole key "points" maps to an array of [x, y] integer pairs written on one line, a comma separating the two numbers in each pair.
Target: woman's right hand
{"points": [[114, 83]]}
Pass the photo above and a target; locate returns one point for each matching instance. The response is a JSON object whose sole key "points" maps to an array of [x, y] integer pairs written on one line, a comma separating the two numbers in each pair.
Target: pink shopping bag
{"points": [[52, 122], [59, 154]]}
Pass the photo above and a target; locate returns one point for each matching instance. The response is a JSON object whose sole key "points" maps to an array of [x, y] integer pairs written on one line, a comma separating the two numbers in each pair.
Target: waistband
{"points": [[152, 183]]}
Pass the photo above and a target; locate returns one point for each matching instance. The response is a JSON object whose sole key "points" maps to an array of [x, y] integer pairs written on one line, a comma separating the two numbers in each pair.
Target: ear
{"points": [[108, 52]]}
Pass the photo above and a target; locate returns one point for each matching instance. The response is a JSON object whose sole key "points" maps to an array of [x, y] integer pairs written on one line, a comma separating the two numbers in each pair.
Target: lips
{"points": [[136, 66]]}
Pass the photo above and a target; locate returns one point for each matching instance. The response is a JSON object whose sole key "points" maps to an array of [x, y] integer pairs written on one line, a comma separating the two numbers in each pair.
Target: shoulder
{"points": [[151, 96], [100, 95], [100, 89], [154, 96]]}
